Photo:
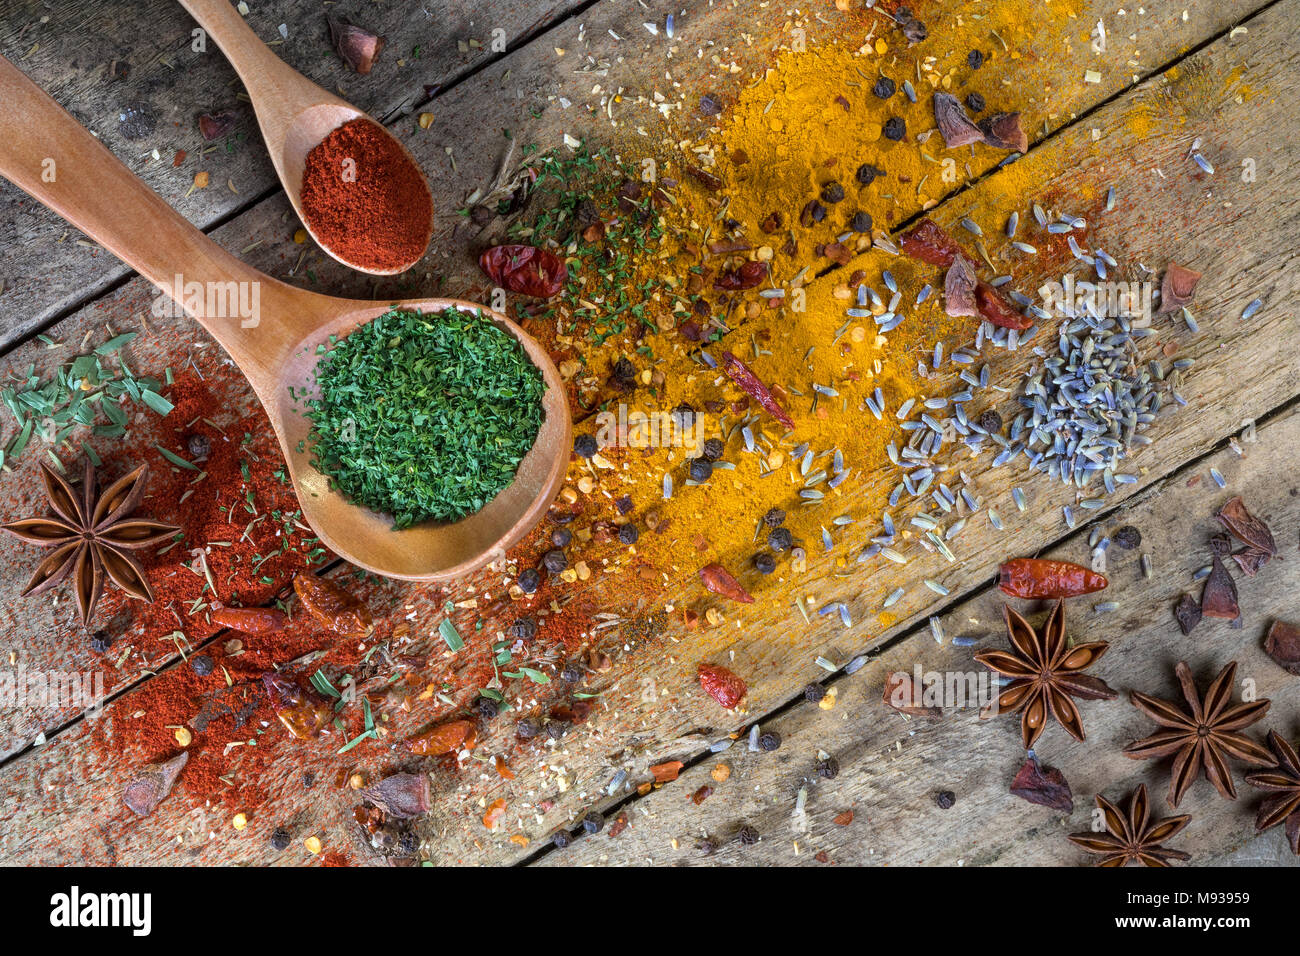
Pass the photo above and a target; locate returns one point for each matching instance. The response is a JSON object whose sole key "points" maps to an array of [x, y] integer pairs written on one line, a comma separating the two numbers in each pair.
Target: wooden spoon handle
{"points": [[49, 155]]}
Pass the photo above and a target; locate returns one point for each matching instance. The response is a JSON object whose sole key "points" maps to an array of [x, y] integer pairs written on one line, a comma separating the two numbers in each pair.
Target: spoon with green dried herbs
{"points": [[355, 187], [459, 421]]}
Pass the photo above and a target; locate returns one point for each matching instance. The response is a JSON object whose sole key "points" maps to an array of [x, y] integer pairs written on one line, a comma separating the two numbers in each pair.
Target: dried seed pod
{"points": [[1002, 131], [1177, 287], [402, 795], [954, 125], [358, 47], [152, 783], [959, 289]]}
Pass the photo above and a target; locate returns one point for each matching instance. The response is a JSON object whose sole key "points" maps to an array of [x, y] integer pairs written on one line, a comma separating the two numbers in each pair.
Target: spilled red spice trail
{"points": [[364, 198]]}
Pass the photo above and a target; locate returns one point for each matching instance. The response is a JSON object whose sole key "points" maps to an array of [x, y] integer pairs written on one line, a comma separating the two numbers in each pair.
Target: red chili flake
{"points": [[667, 771], [718, 579], [443, 739], [722, 685], [1002, 131], [251, 620], [740, 373], [843, 819], [1177, 287], [1283, 645], [178, 158], [496, 810], [402, 795], [959, 289], [707, 179], [216, 125], [747, 276], [332, 606], [620, 824], [954, 125], [702, 794], [928, 243], [1045, 786], [526, 270], [1043, 578], [1219, 599], [303, 714], [902, 694]]}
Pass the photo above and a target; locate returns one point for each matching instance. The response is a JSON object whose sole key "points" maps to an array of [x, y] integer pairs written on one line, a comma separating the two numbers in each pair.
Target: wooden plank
{"points": [[587, 759], [891, 766], [141, 91]]}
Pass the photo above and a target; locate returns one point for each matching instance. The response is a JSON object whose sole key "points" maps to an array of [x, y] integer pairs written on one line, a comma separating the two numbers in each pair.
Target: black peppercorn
{"points": [[774, 518], [488, 708], [624, 371], [861, 222], [628, 534], [198, 446], [555, 729], [527, 729], [593, 822], [884, 88], [812, 212], [280, 839], [100, 642], [713, 449], [975, 102], [561, 537], [748, 835], [828, 768], [945, 799], [561, 839], [683, 415], [780, 539], [571, 674], [700, 469], [895, 128], [814, 692], [555, 561], [584, 446], [769, 741], [867, 174], [529, 580], [974, 59], [1127, 537], [990, 421], [832, 193], [764, 563], [523, 629], [201, 664], [409, 844]]}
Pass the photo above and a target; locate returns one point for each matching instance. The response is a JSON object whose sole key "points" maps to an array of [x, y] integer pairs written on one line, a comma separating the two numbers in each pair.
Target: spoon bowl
{"points": [[276, 345], [294, 114]]}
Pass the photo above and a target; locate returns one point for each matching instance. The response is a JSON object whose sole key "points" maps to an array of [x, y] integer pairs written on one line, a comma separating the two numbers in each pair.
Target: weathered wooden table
{"points": [[1223, 73]]}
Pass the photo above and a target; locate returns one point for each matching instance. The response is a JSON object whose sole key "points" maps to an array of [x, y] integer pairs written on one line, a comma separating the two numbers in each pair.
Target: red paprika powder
{"points": [[365, 199]]}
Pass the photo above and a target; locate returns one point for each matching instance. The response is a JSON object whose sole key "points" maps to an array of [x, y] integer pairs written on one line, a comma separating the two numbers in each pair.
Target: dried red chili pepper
{"points": [[1045, 786], [722, 685], [332, 606], [443, 738], [928, 243], [525, 269], [740, 373], [746, 276], [302, 714], [251, 620], [1044, 578], [720, 581]]}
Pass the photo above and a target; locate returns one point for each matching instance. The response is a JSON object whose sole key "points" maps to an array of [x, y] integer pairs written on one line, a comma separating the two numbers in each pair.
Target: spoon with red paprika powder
{"points": [[356, 188], [275, 343]]}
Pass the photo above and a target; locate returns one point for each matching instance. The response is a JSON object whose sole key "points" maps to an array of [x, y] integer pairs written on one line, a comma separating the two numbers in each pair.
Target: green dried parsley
{"points": [[424, 416]]}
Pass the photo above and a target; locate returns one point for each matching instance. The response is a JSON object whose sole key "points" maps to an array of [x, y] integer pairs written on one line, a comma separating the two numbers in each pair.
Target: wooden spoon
{"points": [[294, 113], [45, 152]]}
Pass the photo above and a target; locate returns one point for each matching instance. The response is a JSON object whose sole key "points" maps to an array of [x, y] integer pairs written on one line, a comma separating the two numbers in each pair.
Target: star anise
{"points": [[1204, 738], [1283, 782], [1132, 837], [92, 536], [1046, 673]]}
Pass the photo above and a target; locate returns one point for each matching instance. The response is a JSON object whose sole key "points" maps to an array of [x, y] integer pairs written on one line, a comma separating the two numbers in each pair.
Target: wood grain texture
{"points": [[141, 87], [632, 733], [892, 766]]}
